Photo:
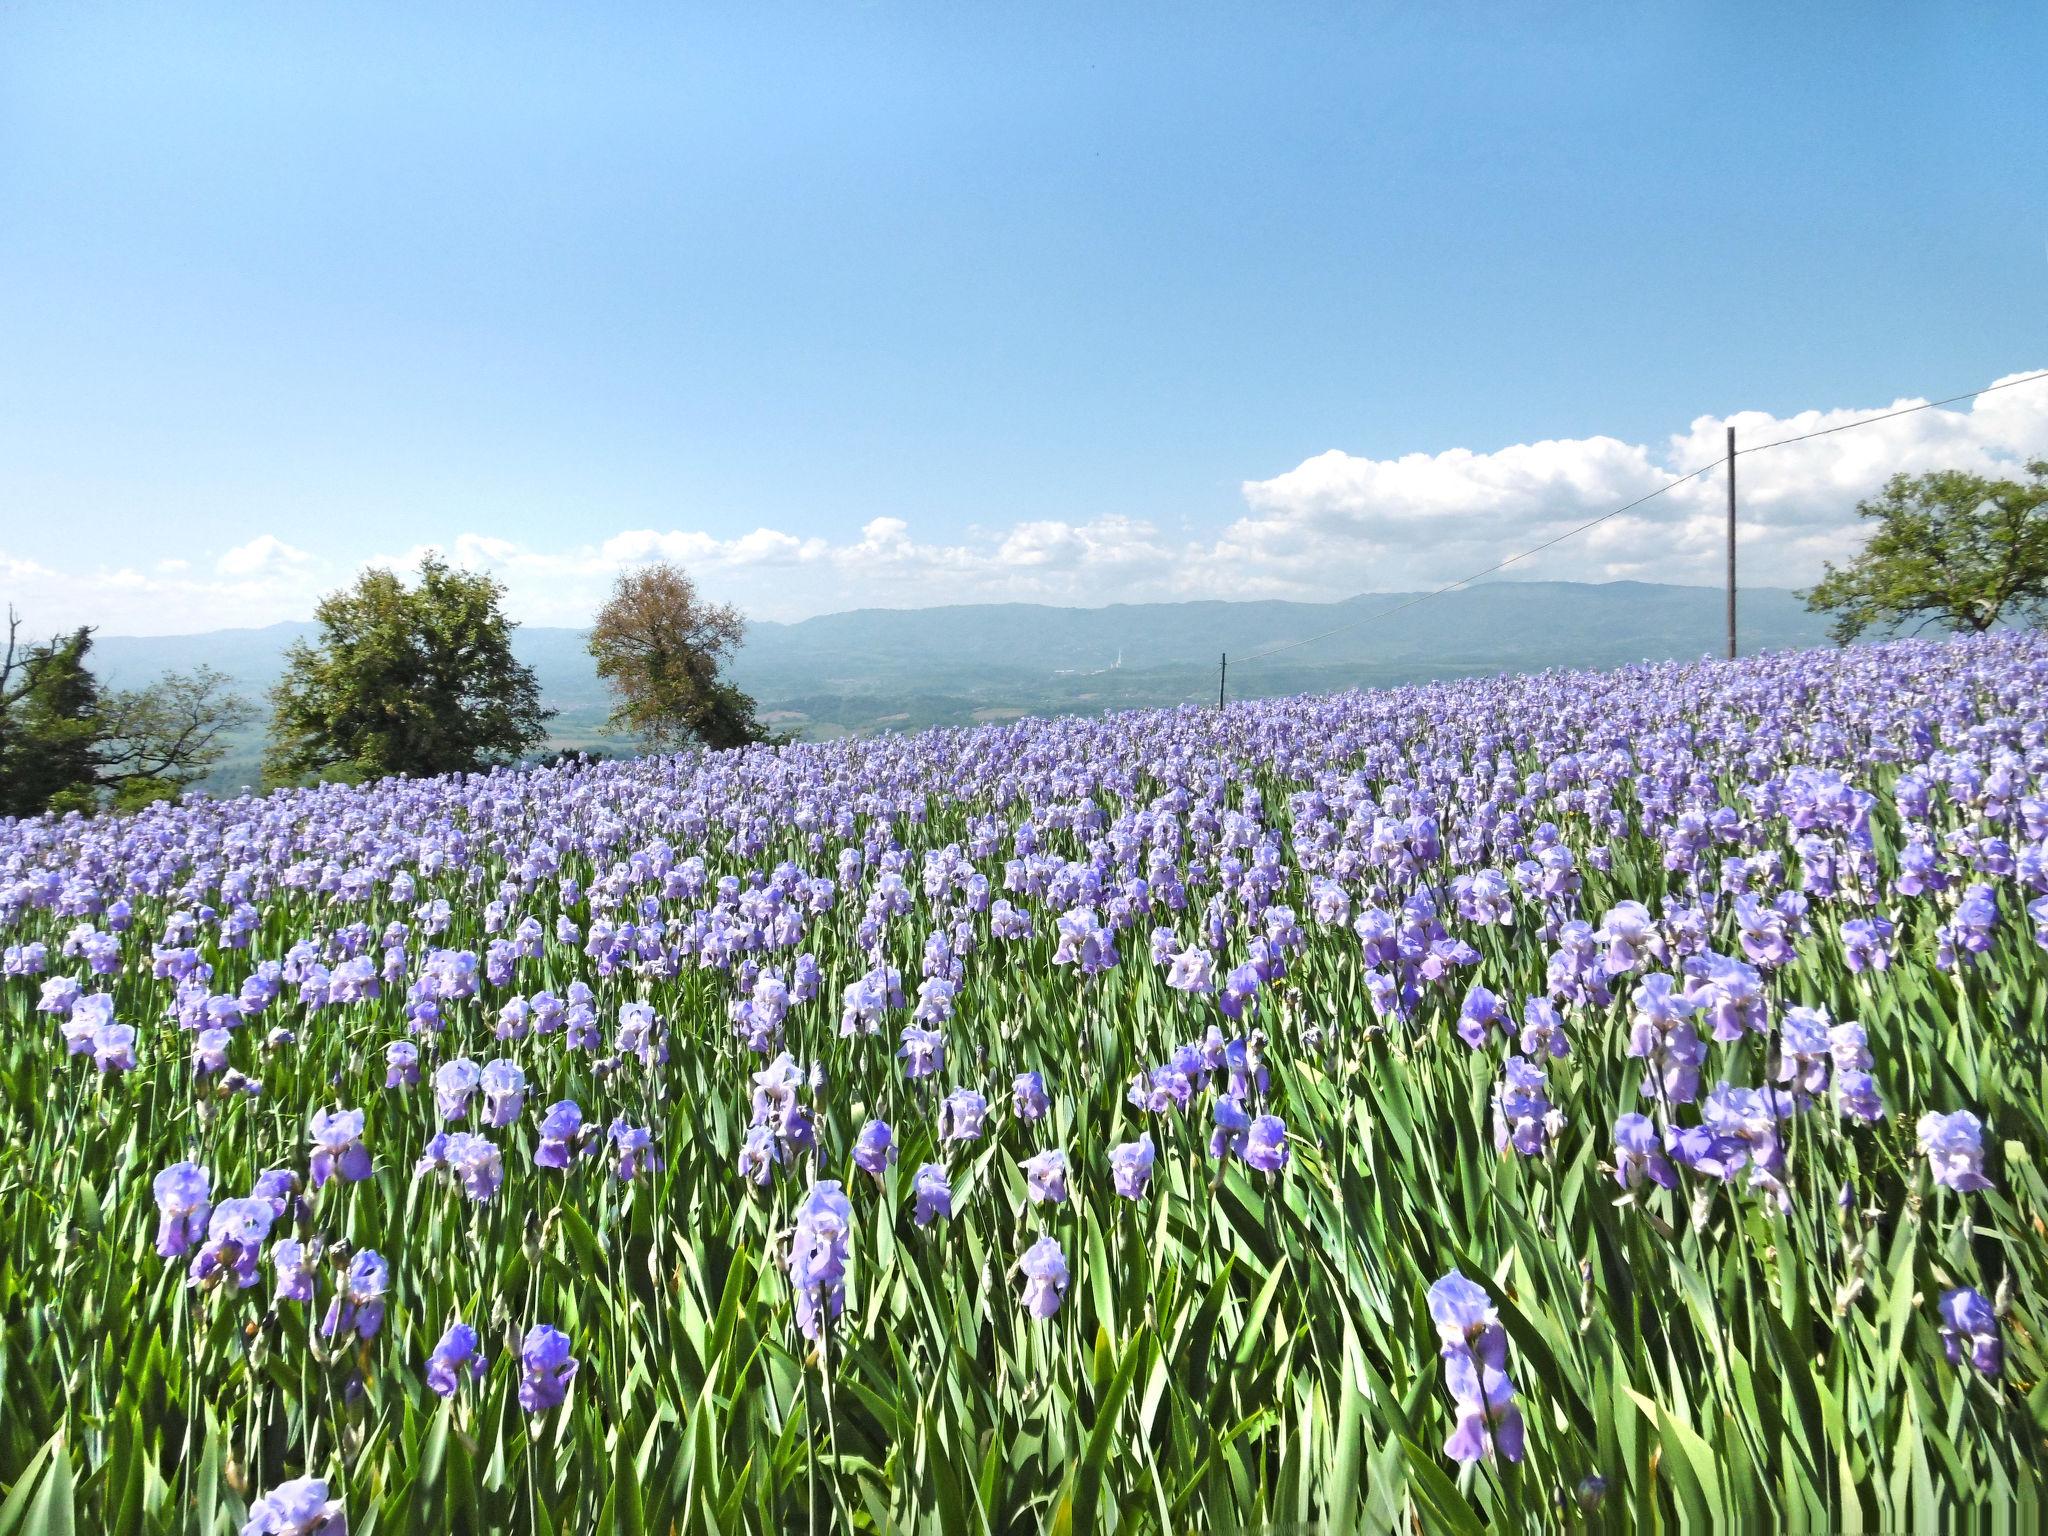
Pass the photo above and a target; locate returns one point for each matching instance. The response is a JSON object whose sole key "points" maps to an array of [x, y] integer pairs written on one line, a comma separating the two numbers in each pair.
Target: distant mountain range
{"points": [[881, 668]]}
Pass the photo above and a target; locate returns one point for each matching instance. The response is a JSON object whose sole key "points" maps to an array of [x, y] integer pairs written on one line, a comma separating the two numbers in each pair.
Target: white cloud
{"points": [[1340, 523], [262, 555], [1336, 524]]}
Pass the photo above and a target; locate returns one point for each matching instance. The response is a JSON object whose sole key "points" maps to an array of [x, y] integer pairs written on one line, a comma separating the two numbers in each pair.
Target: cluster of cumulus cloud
{"points": [[1334, 525]]}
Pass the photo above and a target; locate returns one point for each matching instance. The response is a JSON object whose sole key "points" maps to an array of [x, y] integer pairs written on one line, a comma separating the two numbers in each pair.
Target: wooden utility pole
{"points": [[1731, 542], [1222, 675]]}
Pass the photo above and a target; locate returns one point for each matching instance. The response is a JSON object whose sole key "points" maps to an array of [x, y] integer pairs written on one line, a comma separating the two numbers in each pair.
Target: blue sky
{"points": [[904, 304]]}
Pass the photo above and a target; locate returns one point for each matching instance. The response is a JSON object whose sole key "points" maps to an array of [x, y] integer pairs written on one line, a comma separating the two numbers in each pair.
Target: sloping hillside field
{"points": [[1547, 1102]]}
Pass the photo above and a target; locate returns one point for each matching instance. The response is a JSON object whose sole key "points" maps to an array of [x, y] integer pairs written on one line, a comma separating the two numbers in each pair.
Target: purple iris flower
{"points": [[1265, 1144], [1969, 1324], [546, 1367], [359, 1307], [1805, 1050], [1481, 1013], [1227, 1140], [934, 1194], [1130, 1166], [401, 1064], [1639, 1154], [635, 1147], [1522, 1113], [1192, 970], [923, 1053], [818, 1251], [456, 1359], [1475, 1349], [1045, 1176], [962, 1115], [561, 1128], [338, 1147], [1631, 937], [454, 1083], [235, 1234], [113, 1048], [293, 1262], [504, 1089], [210, 1051], [1044, 1267], [874, 1149], [1028, 1099], [1543, 1029], [1866, 944], [183, 1199], [1954, 1145], [759, 1154], [297, 1508]]}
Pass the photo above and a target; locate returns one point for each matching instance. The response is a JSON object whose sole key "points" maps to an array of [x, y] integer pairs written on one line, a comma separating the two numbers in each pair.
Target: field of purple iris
{"points": [[1572, 1100]]}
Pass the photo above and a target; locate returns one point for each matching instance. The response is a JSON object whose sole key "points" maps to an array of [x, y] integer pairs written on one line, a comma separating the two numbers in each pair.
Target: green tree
{"points": [[1950, 548], [156, 740], [68, 744], [659, 647], [404, 679], [49, 723]]}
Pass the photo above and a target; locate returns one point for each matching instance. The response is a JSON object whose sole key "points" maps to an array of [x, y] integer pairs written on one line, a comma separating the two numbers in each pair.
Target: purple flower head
{"points": [[546, 1367], [635, 1148], [1488, 1421], [1481, 1013], [1045, 1176], [1028, 1098], [504, 1087], [1192, 970], [183, 1195], [113, 1048], [293, 1262], [1805, 1050], [1543, 1029], [874, 1149], [1639, 1154], [1954, 1145], [759, 1154], [1130, 1166], [456, 1359], [359, 1306], [923, 1053], [561, 1135], [1044, 1267], [297, 1508], [235, 1234], [210, 1051], [1232, 1126], [1265, 1144], [818, 1251], [1731, 994], [934, 1194], [1968, 1324], [454, 1083], [962, 1115], [1631, 937], [402, 1063], [1523, 1117], [1463, 1313], [1866, 944], [338, 1147]]}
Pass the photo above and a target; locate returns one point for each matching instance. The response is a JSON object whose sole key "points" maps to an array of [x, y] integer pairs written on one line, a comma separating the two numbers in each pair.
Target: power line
{"points": [[1572, 533]]}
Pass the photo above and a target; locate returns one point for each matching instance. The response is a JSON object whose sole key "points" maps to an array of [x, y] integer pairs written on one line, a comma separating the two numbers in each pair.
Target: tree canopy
{"points": [[1950, 548], [413, 680], [659, 648], [66, 743]]}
